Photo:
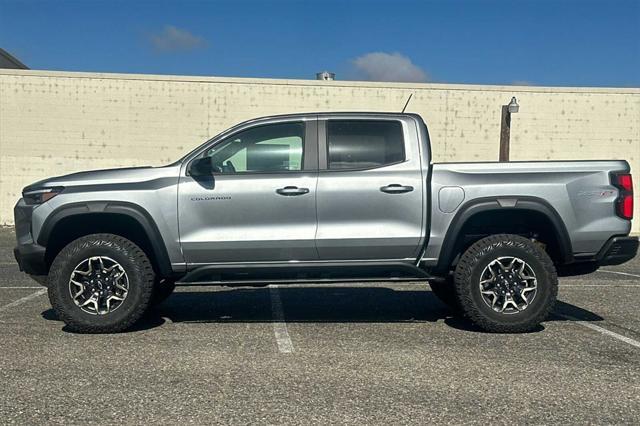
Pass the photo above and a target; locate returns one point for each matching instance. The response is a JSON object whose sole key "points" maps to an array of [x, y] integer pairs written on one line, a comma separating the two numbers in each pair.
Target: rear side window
{"points": [[363, 144]]}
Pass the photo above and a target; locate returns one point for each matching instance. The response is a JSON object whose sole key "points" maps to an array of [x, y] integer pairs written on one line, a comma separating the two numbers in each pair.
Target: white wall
{"points": [[53, 123]]}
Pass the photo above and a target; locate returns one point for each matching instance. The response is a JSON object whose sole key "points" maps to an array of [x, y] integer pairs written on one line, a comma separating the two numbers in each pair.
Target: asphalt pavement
{"points": [[323, 354]]}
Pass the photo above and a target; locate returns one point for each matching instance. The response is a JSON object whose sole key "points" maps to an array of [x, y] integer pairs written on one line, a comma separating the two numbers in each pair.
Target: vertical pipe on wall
{"points": [[505, 134]]}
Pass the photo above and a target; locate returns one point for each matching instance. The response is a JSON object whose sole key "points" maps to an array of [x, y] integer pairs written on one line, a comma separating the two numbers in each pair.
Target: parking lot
{"points": [[370, 353]]}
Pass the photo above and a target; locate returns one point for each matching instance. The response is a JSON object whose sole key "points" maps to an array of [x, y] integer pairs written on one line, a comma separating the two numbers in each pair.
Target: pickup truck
{"points": [[317, 198]]}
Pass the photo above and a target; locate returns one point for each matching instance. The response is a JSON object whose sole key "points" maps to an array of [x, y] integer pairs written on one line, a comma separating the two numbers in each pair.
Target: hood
{"points": [[128, 175]]}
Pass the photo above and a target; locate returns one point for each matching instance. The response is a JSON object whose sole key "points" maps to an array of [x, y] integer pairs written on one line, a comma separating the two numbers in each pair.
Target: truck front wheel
{"points": [[506, 284], [100, 283]]}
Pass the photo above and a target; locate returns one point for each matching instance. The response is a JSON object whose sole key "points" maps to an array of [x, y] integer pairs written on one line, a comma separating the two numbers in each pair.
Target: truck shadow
{"points": [[317, 305]]}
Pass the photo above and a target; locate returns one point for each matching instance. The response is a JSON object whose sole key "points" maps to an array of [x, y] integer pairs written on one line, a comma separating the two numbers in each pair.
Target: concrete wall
{"points": [[53, 123]]}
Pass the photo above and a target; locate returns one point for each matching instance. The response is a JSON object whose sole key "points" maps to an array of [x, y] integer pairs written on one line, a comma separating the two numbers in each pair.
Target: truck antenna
{"points": [[408, 100]]}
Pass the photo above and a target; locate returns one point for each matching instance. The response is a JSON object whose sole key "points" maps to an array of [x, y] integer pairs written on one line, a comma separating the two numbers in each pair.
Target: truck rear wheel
{"points": [[506, 284], [100, 283]]}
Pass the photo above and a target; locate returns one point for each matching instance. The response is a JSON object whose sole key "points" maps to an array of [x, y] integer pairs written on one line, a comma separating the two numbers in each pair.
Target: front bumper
{"points": [[31, 259], [618, 250], [29, 254]]}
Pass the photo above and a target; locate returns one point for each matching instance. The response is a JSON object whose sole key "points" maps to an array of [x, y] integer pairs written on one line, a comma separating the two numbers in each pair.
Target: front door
{"points": [[260, 203]]}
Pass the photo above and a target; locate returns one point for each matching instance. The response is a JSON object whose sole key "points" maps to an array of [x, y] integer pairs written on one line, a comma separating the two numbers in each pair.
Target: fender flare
{"points": [[518, 203], [134, 211]]}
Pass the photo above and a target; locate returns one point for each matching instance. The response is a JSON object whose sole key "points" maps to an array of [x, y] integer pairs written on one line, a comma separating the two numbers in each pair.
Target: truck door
{"points": [[370, 190], [260, 203]]}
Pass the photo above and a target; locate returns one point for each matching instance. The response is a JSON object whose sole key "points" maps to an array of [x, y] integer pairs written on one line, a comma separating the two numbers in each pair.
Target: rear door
{"points": [[260, 204], [370, 189]]}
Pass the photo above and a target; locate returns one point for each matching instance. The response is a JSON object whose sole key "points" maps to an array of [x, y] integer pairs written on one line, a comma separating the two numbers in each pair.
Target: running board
{"points": [[302, 272], [265, 282]]}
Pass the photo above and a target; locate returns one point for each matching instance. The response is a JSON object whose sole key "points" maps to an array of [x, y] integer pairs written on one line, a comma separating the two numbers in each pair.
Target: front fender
{"points": [[133, 211]]}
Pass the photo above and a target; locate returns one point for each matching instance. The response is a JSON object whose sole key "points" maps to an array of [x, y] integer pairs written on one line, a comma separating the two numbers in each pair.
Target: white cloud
{"points": [[173, 39], [381, 66]]}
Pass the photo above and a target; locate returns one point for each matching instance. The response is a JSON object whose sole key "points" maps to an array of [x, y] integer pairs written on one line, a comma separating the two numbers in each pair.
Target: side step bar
{"points": [[302, 272]]}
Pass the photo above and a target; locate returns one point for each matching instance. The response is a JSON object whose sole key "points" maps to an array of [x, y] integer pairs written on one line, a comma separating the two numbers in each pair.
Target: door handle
{"points": [[395, 188], [289, 191]]}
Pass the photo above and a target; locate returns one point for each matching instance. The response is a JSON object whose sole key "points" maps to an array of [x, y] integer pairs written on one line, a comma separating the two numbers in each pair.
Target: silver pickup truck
{"points": [[319, 198]]}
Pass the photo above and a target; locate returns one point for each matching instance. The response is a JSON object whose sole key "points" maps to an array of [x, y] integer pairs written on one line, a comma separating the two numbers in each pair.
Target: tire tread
{"points": [[464, 271], [127, 248]]}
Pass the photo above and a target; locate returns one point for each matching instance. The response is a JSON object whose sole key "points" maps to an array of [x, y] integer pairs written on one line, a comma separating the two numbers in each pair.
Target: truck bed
{"points": [[580, 193]]}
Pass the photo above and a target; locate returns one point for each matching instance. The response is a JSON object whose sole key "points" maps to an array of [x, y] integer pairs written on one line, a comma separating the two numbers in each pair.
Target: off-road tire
{"points": [[467, 279], [135, 263], [445, 291], [162, 289]]}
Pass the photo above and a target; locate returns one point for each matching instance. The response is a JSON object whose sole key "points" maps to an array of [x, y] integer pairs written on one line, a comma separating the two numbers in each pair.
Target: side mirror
{"points": [[202, 167]]}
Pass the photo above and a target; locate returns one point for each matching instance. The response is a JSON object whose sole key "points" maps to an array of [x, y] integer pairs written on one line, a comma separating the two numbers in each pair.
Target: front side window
{"points": [[363, 144], [268, 148]]}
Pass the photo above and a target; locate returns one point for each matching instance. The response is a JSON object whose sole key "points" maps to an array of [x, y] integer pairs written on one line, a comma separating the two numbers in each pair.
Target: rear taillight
{"points": [[624, 202]]}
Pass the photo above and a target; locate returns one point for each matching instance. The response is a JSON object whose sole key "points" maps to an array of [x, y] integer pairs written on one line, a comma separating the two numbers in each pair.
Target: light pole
{"points": [[505, 128]]}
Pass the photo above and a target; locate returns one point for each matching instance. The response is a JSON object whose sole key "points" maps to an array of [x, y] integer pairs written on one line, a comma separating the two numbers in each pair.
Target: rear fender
{"points": [[451, 247]]}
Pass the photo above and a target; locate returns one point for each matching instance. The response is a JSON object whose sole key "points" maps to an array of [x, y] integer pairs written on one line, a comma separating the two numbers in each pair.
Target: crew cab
{"points": [[323, 197]]}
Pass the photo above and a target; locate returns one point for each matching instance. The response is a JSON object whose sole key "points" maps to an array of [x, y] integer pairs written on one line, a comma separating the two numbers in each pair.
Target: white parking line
{"points": [[619, 273], [599, 285], [23, 300], [601, 330], [285, 345], [38, 286]]}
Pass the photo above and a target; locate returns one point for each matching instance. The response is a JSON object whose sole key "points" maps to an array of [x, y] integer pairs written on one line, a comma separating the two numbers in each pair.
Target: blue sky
{"points": [[540, 42]]}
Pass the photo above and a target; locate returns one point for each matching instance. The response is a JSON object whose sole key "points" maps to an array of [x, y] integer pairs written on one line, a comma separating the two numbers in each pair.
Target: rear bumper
{"points": [[617, 250], [31, 259]]}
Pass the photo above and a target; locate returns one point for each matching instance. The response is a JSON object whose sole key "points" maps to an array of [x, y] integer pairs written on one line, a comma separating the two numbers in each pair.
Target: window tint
{"points": [[361, 144], [270, 148]]}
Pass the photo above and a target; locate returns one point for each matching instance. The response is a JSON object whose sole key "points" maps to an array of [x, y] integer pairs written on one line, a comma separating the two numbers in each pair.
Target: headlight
{"points": [[39, 196]]}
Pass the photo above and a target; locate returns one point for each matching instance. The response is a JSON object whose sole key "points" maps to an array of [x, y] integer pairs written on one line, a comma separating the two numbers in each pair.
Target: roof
{"points": [[9, 61], [321, 114], [317, 83]]}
